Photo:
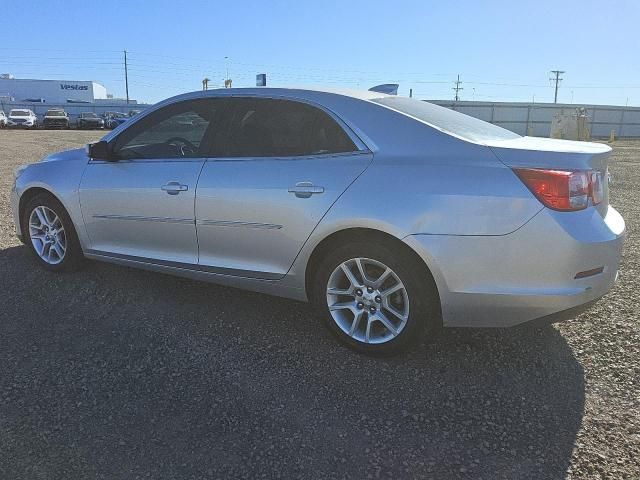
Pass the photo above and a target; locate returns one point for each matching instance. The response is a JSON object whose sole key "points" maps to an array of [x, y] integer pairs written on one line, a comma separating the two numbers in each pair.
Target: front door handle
{"points": [[174, 188], [305, 189]]}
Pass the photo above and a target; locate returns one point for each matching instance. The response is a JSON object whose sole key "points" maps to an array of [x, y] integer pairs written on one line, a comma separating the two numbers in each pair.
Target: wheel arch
{"points": [[30, 193], [341, 237]]}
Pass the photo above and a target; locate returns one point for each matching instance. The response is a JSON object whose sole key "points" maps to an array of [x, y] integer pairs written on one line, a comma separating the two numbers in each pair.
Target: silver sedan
{"points": [[395, 217]]}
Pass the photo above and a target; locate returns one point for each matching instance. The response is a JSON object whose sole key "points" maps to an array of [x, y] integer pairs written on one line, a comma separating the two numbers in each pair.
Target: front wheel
{"points": [[49, 232], [374, 298]]}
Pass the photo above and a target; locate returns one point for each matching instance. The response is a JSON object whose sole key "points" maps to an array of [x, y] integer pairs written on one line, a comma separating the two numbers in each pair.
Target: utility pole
{"points": [[126, 76], [227, 80], [557, 79], [457, 88], [411, 93]]}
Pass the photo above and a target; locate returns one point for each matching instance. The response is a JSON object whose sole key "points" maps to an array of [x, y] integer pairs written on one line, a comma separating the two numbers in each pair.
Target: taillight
{"points": [[597, 187], [564, 190]]}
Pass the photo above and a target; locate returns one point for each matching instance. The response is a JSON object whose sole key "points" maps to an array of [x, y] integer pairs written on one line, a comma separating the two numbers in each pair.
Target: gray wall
{"points": [[535, 118]]}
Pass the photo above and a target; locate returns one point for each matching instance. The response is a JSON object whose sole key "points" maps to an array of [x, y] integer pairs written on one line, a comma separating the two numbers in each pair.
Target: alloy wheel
{"points": [[47, 234], [367, 300]]}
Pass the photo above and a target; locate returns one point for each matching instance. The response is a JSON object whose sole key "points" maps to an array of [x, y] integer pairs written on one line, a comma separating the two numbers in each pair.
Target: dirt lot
{"points": [[118, 373]]}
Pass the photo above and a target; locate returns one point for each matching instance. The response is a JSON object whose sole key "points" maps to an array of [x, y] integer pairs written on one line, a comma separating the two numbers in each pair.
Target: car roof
{"points": [[345, 92], [291, 92]]}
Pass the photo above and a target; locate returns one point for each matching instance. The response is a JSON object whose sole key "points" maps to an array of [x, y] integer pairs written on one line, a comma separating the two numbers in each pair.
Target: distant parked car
{"points": [[55, 118], [89, 120], [3, 119], [133, 113], [116, 119], [394, 216], [22, 118]]}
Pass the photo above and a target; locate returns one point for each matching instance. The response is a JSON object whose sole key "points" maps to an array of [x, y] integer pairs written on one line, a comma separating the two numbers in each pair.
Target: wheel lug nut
{"points": [[372, 309], [378, 299], [369, 289], [360, 305], [359, 292]]}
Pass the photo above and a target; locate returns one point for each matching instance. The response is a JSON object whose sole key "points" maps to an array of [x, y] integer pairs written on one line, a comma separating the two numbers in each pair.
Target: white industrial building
{"points": [[50, 91]]}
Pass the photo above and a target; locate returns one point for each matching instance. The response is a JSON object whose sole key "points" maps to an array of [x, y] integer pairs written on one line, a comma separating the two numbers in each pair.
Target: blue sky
{"points": [[503, 50]]}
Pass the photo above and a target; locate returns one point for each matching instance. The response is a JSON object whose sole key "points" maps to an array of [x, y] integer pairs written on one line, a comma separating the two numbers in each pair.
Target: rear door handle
{"points": [[174, 188], [305, 189]]}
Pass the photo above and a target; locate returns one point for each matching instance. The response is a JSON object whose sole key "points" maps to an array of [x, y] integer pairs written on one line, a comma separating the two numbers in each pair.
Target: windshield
{"points": [[55, 113], [89, 115], [19, 113], [448, 121]]}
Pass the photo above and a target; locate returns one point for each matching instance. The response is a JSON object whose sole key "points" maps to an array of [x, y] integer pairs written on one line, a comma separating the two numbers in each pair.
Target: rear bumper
{"points": [[506, 280]]}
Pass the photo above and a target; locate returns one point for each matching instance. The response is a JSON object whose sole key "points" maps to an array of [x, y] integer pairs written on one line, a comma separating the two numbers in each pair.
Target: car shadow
{"points": [[115, 372]]}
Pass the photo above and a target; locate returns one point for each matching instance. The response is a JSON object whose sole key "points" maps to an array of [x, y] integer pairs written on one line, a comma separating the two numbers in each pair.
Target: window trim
{"points": [[290, 158]]}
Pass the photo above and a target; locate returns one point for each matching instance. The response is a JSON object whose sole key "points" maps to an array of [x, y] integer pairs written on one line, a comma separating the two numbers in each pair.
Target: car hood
{"points": [[79, 154]]}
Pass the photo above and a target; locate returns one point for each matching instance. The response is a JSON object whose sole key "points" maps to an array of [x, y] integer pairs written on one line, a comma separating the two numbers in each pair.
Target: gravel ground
{"points": [[118, 373]]}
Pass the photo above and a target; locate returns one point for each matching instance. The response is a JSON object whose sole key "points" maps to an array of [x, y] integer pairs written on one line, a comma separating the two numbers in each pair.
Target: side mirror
{"points": [[100, 151]]}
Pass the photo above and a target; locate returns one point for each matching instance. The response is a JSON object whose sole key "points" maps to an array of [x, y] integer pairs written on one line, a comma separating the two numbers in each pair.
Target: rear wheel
{"points": [[49, 232], [374, 299]]}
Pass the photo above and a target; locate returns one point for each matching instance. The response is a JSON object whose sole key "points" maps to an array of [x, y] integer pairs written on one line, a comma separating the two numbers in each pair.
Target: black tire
{"points": [[423, 298], [73, 257]]}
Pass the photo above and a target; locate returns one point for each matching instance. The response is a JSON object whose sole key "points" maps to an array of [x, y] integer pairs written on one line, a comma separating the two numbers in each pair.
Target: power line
{"points": [[557, 80]]}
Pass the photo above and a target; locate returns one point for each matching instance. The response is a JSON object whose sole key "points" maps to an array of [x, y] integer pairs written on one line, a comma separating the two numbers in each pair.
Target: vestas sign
{"points": [[68, 86]]}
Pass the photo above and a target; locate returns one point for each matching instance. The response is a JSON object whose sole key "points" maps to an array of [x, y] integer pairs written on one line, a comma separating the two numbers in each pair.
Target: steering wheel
{"points": [[186, 148]]}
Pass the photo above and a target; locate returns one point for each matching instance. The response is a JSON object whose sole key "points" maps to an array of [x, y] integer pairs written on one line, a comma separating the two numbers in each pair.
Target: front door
{"points": [[140, 204], [281, 167]]}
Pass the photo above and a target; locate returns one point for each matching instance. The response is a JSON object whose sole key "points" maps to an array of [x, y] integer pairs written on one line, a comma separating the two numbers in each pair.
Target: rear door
{"points": [[269, 182], [141, 205]]}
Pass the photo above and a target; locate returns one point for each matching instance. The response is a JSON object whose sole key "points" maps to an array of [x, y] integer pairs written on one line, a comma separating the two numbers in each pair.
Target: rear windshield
{"points": [[88, 115], [55, 113], [447, 120], [19, 113]]}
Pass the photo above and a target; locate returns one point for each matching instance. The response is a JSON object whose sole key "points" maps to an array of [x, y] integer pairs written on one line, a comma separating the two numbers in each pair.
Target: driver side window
{"points": [[175, 131]]}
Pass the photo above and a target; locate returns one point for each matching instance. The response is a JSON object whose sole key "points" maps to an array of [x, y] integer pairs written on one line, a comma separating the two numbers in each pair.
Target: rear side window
{"points": [[447, 120], [263, 127]]}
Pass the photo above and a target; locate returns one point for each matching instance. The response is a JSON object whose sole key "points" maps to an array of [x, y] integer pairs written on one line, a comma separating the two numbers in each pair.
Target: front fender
{"points": [[59, 178]]}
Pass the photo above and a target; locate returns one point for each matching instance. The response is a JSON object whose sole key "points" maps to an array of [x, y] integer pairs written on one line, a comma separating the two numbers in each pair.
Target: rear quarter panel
{"points": [[423, 181]]}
